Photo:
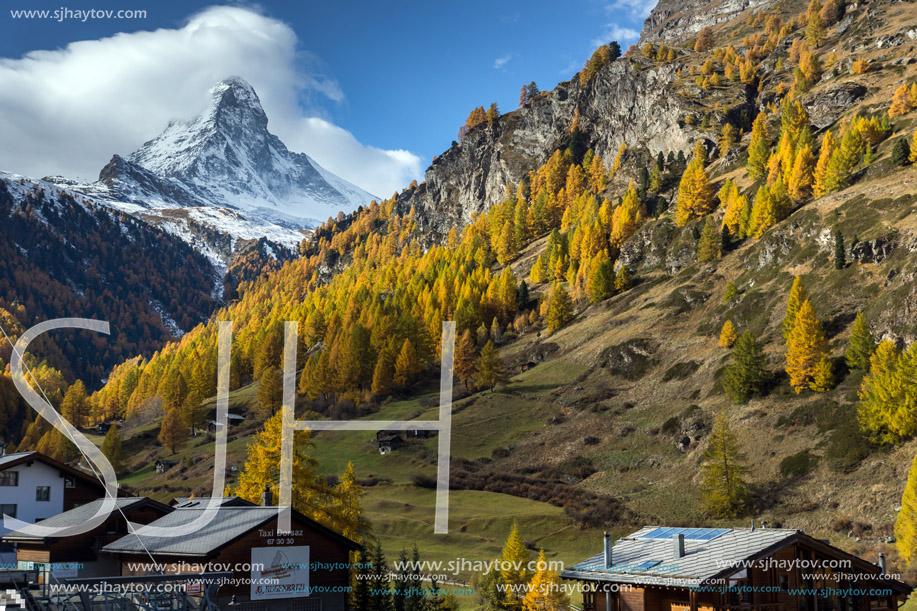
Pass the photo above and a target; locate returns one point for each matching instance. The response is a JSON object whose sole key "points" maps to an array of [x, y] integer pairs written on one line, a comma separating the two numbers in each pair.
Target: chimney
{"points": [[752, 525], [2, 448], [608, 559], [763, 524], [267, 499], [882, 566], [678, 545]]}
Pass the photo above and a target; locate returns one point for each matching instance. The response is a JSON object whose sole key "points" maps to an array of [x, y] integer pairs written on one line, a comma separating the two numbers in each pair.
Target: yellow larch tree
{"points": [[728, 335], [626, 218], [879, 393], [901, 102], [797, 296], [514, 568], [802, 176], [545, 592], [695, 195], [806, 347], [763, 216], [262, 469], [758, 148], [619, 158], [821, 167], [906, 522], [597, 178]]}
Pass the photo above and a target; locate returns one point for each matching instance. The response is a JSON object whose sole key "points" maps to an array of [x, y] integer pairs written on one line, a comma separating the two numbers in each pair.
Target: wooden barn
{"points": [[731, 569], [388, 441]]}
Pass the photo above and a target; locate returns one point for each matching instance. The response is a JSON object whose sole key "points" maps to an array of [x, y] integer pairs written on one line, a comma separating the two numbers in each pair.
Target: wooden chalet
{"points": [[78, 555], [732, 569]]}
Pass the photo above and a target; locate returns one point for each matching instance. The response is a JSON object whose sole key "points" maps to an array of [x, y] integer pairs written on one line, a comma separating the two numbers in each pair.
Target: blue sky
{"points": [[398, 76]]}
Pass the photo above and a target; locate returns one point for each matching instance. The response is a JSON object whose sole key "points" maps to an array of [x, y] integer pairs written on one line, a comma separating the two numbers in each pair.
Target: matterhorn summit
{"points": [[227, 157], [223, 173]]}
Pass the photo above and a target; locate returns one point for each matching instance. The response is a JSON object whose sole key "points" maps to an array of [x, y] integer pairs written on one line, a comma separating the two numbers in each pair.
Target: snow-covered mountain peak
{"points": [[223, 173], [234, 116], [227, 157]]}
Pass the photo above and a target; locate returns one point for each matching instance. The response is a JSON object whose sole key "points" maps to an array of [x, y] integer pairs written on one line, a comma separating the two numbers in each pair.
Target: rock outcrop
{"points": [[629, 100], [673, 21]]}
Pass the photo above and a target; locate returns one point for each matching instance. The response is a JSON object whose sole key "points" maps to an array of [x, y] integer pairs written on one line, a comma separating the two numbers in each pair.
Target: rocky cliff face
{"points": [[677, 20], [627, 101]]}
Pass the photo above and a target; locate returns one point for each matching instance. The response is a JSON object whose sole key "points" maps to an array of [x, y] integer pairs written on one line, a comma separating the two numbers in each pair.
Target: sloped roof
{"points": [[632, 555], [83, 513], [184, 502], [13, 459], [647, 557], [17, 458], [229, 524]]}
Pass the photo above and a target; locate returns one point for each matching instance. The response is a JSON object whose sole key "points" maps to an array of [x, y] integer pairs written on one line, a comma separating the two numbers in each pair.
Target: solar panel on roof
{"points": [[713, 533], [647, 565], [692, 534]]}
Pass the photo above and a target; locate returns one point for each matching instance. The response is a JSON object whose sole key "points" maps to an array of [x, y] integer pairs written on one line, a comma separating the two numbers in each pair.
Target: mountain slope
{"points": [[65, 256]]}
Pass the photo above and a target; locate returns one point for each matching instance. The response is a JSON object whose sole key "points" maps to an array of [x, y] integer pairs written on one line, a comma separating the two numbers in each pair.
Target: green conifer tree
{"points": [[861, 346], [747, 373], [708, 247], [724, 490]]}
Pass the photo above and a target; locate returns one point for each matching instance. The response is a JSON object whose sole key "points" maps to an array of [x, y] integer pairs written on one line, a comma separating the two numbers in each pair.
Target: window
{"points": [[9, 478], [8, 510], [68, 482], [42, 493], [738, 593]]}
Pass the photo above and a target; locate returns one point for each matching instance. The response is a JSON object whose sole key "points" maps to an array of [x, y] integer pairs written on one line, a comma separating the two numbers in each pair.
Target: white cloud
{"points": [[67, 111], [615, 32], [637, 8], [501, 61]]}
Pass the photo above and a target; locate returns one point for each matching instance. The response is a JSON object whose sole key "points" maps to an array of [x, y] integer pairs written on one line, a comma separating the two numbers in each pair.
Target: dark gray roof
{"points": [[82, 514], [184, 502], [632, 555], [230, 523]]}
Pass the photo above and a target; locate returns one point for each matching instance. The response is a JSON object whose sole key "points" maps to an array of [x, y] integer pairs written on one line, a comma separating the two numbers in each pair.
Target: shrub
{"points": [[824, 414], [671, 426], [591, 441], [680, 371], [798, 464], [424, 481], [847, 447]]}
